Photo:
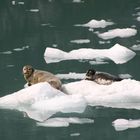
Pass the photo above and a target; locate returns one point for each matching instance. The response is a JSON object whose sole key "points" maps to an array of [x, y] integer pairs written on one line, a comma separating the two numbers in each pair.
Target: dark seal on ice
{"points": [[101, 78]]}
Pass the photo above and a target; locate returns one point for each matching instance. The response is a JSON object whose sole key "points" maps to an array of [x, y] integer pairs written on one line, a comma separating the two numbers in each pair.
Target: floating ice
{"points": [[118, 53], [104, 42], [123, 94], [136, 47], [21, 3], [41, 101], [138, 18], [78, 1], [80, 41], [13, 2], [137, 8], [96, 24], [75, 134], [123, 124], [9, 66], [33, 10], [21, 49], [123, 33], [98, 61], [64, 122], [125, 76], [6, 52]]}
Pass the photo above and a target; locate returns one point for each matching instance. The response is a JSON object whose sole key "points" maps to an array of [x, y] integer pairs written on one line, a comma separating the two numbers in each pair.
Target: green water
{"points": [[20, 28]]}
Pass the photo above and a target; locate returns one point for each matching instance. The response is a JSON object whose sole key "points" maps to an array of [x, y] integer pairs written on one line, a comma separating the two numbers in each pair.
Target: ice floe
{"points": [[75, 134], [136, 47], [80, 41], [125, 76], [98, 61], [138, 18], [124, 124], [104, 42], [122, 33], [118, 53], [6, 52], [124, 94], [41, 101], [16, 49], [21, 49], [78, 1], [21, 3], [33, 10], [64, 122], [96, 24]]}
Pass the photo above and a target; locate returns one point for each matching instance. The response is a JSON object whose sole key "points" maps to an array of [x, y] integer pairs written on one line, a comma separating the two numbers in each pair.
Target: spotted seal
{"points": [[101, 78], [34, 76]]}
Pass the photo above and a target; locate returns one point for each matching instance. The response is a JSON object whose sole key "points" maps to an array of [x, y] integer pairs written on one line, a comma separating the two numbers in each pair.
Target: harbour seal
{"points": [[101, 78], [34, 76]]}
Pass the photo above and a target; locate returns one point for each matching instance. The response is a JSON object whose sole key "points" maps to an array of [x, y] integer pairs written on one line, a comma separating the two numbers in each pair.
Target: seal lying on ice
{"points": [[101, 78], [33, 76]]}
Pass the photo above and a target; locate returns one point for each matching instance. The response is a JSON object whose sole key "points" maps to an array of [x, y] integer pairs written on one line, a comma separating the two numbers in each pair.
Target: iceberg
{"points": [[118, 53]]}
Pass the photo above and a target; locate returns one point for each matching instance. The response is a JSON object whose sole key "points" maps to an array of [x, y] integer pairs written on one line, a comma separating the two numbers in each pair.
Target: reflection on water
{"points": [[27, 27]]}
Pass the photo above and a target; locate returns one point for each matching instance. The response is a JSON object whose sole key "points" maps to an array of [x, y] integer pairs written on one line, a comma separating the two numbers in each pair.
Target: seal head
{"points": [[90, 74], [27, 71]]}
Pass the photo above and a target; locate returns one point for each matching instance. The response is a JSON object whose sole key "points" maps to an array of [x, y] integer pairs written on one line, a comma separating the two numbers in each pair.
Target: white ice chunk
{"points": [[123, 124], [136, 47], [75, 134], [125, 76], [64, 122], [122, 33], [123, 94], [77, 1], [6, 52], [33, 10], [96, 24], [41, 101], [98, 61], [80, 41], [118, 53], [138, 18]]}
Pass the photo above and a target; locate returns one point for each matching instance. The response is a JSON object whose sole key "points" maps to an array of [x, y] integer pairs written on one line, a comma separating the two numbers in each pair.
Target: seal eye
{"points": [[29, 69]]}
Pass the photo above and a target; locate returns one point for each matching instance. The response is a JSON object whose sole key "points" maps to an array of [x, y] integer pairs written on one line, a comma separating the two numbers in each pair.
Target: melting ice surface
{"points": [[118, 53], [123, 124], [41, 101]]}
